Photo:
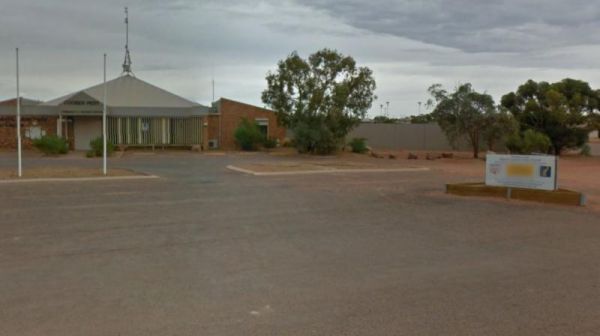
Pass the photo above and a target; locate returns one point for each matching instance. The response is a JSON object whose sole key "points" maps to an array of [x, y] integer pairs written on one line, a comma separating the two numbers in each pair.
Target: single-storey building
{"points": [[139, 114]]}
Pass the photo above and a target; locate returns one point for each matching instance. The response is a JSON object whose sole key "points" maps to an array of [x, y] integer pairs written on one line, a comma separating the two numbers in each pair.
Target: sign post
{"points": [[522, 171], [19, 155]]}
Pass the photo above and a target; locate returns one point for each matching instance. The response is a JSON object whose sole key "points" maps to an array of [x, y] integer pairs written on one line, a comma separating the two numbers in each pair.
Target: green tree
{"points": [[463, 113], [322, 98], [384, 120], [594, 120], [498, 127], [528, 142], [562, 110], [422, 118]]}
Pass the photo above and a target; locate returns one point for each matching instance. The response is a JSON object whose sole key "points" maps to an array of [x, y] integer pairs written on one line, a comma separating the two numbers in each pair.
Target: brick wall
{"points": [[232, 113], [210, 130], [8, 130]]}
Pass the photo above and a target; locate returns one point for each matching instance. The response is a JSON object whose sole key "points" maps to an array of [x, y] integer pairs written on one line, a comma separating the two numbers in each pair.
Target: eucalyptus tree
{"points": [[462, 114], [564, 111], [320, 98]]}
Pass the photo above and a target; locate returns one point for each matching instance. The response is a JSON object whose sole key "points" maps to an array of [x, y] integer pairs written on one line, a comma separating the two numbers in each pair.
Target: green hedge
{"points": [[97, 147], [51, 145]]}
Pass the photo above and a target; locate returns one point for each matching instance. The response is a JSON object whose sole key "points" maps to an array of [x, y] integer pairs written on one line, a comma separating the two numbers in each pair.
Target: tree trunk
{"points": [[490, 145], [557, 151], [475, 143]]}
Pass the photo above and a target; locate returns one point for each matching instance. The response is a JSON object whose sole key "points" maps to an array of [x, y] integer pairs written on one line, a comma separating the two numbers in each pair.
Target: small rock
{"points": [[412, 156], [430, 156], [391, 156], [376, 155], [447, 155]]}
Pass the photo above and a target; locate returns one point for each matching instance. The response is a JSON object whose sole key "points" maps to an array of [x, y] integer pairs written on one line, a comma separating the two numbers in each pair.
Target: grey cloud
{"points": [[408, 44], [474, 26]]}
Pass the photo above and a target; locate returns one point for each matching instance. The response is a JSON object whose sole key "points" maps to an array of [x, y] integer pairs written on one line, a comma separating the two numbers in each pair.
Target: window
{"points": [[34, 132], [263, 125]]}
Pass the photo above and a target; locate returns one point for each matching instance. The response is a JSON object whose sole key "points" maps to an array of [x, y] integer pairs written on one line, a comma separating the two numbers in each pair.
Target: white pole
{"points": [[20, 170], [104, 122]]}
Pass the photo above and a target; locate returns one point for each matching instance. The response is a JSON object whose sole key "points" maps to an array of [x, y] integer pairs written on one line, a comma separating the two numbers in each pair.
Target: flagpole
{"points": [[104, 122], [20, 169]]}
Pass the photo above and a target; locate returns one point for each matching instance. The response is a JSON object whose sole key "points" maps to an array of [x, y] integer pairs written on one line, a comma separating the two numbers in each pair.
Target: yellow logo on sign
{"points": [[520, 170]]}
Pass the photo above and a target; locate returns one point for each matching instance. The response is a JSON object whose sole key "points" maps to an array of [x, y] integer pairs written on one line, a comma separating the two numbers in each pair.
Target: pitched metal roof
{"points": [[129, 91], [24, 101]]}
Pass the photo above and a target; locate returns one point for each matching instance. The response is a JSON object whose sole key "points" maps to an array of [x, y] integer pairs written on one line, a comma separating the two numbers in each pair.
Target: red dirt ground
{"points": [[576, 173]]}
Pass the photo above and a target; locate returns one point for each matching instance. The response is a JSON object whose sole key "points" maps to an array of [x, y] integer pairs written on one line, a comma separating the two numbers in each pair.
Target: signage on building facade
{"points": [[81, 113], [82, 102], [522, 171]]}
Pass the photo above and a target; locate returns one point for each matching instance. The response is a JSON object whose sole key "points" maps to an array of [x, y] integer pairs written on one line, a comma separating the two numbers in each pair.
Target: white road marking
{"points": [[264, 310], [328, 171]]}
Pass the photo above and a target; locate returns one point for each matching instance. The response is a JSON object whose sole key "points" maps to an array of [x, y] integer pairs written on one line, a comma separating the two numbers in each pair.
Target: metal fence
{"points": [[143, 131]]}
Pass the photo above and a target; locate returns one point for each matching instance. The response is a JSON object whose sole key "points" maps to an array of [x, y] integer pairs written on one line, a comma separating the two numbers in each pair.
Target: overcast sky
{"points": [[409, 44]]}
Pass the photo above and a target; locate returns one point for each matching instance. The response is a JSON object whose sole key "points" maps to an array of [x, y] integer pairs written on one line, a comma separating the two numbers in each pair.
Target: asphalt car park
{"points": [[205, 250]]}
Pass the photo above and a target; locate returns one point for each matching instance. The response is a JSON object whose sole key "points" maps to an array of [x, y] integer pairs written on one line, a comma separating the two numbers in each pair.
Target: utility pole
{"points": [[424, 128], [387, 109], [104, 122]]}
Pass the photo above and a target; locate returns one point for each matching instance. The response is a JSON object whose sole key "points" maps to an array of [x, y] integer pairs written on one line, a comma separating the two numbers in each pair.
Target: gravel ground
{"points": [[63, 172], [207, 251]]}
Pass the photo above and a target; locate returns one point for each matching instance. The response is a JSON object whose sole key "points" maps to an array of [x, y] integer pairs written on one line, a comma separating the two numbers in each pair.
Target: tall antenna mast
{"points": [[127, 61], [213, 82]]}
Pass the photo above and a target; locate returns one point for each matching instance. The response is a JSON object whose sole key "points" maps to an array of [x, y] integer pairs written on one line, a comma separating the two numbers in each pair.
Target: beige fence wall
{"points": [[403, 136], [424, 137]]}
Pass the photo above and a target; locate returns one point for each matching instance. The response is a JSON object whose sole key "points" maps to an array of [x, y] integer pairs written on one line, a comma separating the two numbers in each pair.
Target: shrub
{"points": [[288, 143], [528, 142], [51, 145], [358, 145], [248, 136], [270, 143], [97, 147], [586, 150], [318, 139]]}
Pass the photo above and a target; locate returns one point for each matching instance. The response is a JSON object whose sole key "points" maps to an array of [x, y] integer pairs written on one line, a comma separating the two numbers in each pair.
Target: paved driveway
{"points": [[207, 251]]}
